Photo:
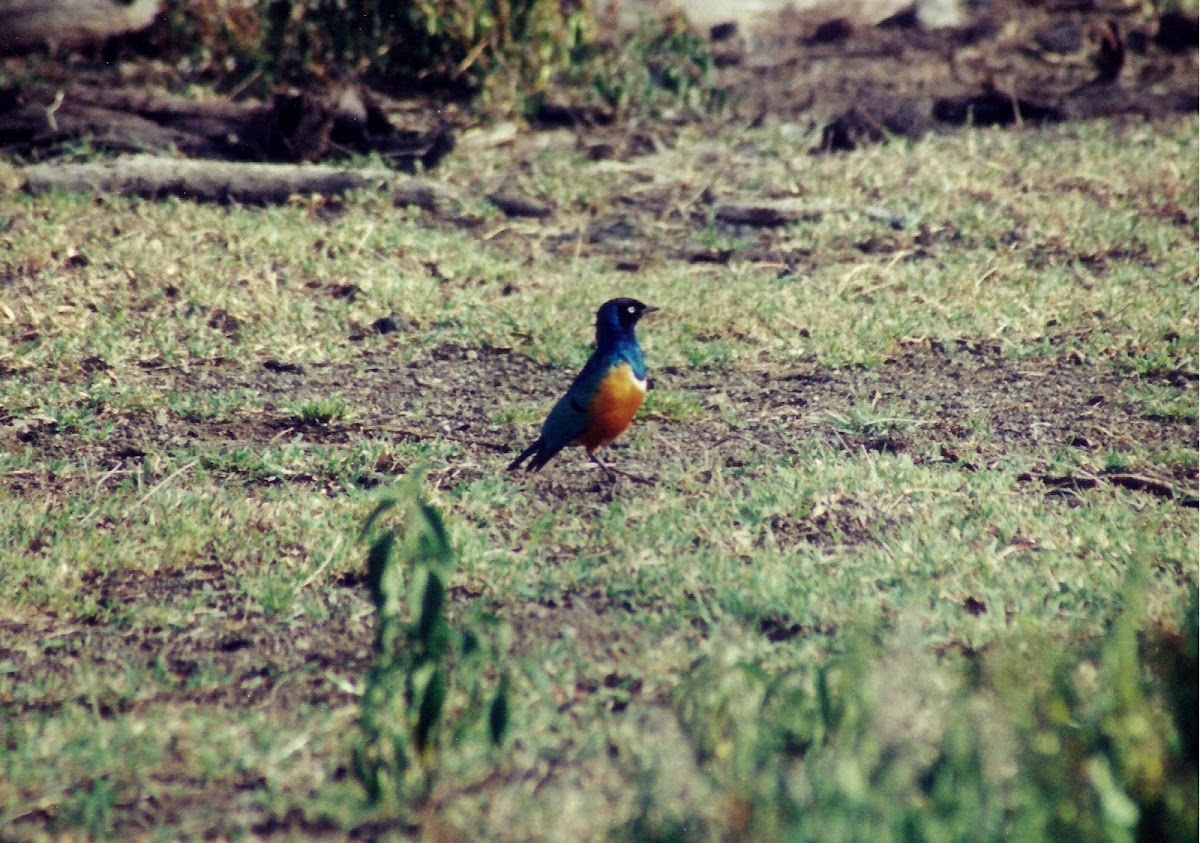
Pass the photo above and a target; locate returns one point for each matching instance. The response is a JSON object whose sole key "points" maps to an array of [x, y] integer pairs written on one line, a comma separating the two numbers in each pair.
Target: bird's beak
{"points": [[650, 310]]}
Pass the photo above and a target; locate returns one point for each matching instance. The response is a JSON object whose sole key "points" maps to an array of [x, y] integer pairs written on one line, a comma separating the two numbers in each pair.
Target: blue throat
{"points": [[616, 340]]}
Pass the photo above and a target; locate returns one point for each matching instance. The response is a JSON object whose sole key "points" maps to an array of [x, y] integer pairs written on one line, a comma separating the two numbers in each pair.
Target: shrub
{"points": [[506, 53]]}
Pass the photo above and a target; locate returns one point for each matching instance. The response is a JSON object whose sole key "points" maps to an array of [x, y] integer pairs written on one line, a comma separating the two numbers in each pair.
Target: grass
{"points": [[784, 635], [268, 269], [319, 411], [209, 406], [866, 418]]}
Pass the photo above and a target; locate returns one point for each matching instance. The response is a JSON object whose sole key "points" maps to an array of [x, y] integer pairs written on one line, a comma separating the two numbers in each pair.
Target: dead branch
{"points": [[153, 177]]}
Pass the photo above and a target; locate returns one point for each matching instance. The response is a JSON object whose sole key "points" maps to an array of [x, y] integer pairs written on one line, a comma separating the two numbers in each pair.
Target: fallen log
{"points": [[49, 126], [154, 177], [516, 204], [292, 125]]}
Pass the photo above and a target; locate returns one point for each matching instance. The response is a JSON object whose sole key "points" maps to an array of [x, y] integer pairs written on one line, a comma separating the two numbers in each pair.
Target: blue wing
{"points": [[568, 419]]}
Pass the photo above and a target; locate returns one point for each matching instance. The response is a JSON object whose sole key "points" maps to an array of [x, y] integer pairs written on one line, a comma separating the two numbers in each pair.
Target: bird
{"points": [[602, 400]]}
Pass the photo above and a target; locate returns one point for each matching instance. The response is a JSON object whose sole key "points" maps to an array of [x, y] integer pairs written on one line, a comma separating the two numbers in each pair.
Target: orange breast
{"points": [[616, 402]]}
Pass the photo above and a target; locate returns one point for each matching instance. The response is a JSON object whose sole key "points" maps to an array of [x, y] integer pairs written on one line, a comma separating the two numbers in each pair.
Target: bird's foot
{"points": [[636, 478], [614, 472]]}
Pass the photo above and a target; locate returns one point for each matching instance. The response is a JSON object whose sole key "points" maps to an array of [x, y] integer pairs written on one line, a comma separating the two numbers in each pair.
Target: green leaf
{"points": [[428, 596], [378, 580], [430, 701], [1118, 808], [433, 541], [498, 712], [383, 506]]}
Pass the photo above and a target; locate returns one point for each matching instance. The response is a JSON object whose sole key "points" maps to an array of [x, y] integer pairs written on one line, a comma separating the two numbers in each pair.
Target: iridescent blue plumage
{"points": [[604, 396]]}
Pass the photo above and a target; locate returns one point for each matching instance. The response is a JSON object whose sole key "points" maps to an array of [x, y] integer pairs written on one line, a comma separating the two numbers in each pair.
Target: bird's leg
{"points": [[592, 456], [613, 472]]}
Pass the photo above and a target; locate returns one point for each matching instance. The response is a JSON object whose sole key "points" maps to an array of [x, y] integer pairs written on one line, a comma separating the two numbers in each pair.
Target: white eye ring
{"points": [[631, 309]]}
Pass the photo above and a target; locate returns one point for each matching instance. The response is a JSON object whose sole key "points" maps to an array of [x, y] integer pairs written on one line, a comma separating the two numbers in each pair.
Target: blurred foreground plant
{"points": [[429, 683], [1029, 741]]}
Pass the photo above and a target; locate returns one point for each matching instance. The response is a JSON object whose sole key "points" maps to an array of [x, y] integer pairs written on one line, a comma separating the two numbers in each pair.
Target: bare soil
{"points": [[1030, 407], [1007, 63]]}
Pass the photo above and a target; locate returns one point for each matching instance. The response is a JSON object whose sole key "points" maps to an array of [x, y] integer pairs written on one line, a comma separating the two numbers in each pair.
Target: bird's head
{"points": [[619, 316]]}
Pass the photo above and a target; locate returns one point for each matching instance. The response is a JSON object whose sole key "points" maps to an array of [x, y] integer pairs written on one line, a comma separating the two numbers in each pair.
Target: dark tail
{"points": [[532, 449], [542, 457], [541, 453]]}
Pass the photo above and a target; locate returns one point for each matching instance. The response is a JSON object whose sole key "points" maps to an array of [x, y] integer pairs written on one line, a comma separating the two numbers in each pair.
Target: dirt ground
{"points": [[1006, 63], [806, 67], [1027, 407], [1015, 407]]}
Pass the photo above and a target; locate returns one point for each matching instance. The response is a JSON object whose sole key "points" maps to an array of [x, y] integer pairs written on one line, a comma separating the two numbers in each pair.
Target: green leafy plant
{"points": [[1106, 743], [429, 681], [867, 418], [211, 406], [504, 49], [1174, 354], [1163, 403], [318, 411], [507, 52], [662, 66]]}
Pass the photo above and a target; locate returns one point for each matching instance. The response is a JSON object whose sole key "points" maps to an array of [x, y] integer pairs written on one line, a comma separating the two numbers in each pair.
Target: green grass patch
{"points": [[975, 632], [318, 411]]}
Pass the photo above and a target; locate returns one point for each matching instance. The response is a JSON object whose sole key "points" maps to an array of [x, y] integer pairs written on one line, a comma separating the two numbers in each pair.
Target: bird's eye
{"points": [[631, 310]]}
